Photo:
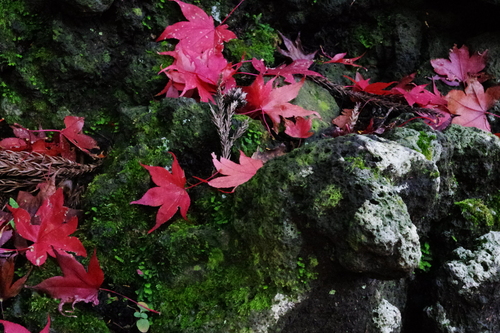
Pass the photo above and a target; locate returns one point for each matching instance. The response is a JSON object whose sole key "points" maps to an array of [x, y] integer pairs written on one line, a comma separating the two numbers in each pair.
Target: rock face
{"points": [[467, 289]]}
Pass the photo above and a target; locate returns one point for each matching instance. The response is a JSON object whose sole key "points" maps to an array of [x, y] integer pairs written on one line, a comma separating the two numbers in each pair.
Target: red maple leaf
{"points": [[235, 174], [197, 75], [361, 84], [10, 327], [73, 133], [299, 66], [198, 33], [471, 105], [264, 99], [295, 50], [339, 59], [421, 96], [170, 193], [77, 285], [14, 144], [301, 128], [7, 288], [461, 66], [52, 232]]}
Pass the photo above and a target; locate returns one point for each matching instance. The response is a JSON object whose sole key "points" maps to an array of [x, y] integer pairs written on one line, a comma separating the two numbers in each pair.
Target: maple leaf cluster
{"points": [[63, 143], [200, 69], [467, 107], [171, 194], [43, 226]]}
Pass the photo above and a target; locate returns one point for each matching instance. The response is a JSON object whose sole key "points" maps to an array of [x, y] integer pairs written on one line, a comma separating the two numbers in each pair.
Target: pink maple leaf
{"points": [[299, 67], [77, 285], [377, 88], [295, 50], [339, 59], [11, 327], [301, 128], [471, 105], [234, 174], [170, 193], [421, 96], [198, 33], [51, 233], [197, 74], [461, 66], [73, 132], [264, 99]]}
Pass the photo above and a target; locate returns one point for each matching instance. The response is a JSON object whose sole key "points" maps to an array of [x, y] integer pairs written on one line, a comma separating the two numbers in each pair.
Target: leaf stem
{"points": [[230, 13], [137, 303]]}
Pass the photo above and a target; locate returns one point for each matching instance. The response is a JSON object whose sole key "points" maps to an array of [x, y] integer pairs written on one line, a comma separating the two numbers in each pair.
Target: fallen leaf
{"points": [[297, 67], [73, 133], [421, 96], [198, 33], [170, 193], [377, 88], [339, 59], [77, 285], [52, 232], [471, 105], [8, 289], [461, 66], [197, 75], [11, 327], [294, 49], [300, 128], [235, 174], [14, 144], [264, 99]]}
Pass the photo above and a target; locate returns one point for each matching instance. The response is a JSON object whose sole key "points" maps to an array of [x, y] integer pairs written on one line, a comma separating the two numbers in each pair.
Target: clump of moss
{"points": [[475, 211], [327, 198], [259, 41]]}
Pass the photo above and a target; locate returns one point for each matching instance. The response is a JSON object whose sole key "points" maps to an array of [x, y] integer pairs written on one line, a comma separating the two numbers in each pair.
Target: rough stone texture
{"points": [[386, 318], [478, 267], [90, 6], [468, 289]]}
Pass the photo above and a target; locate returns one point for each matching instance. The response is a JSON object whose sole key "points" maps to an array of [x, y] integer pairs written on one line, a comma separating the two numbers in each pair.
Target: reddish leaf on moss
{"points": [[421, 96], [73, 133], [264, 99], [8, 289], [301, 128], [297, 67], [294, 49], [170, 193], [10, 327], [77, 285], [461, 65], [14, 144], [198, 33], [51, 233], [377, 88], [339, 59], [197, 75], [234, 174], [471, 105]]}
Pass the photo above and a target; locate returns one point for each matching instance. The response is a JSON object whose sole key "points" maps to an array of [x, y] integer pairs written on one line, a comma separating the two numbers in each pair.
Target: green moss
{"points": [[374, 33], [259, 41], [327, 198], [424, 142], [252, 139], [356, 162], [475, 211]]}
